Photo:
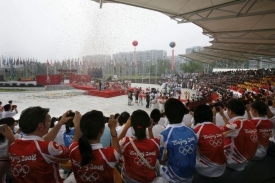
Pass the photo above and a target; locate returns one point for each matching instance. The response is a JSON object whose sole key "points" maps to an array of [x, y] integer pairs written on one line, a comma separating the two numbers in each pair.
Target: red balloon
{"points": [[135, 43]]}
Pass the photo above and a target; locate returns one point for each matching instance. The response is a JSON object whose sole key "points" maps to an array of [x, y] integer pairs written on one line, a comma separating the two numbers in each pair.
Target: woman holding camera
{"points": [[264, 127], [6, 138], [140, 153], [91, 162], [211, 160]]}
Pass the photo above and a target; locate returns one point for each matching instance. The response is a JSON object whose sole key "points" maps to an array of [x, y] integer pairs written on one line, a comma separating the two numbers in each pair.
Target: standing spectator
{"points": [[211, 160], [178, 145], [9, 111], [10, 102], [35, 157], [147, 99], [140, 154], [264, 128], [240, 142], [91, 162]]}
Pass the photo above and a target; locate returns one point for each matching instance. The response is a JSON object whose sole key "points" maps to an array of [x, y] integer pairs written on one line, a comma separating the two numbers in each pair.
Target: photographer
{"points": [[9, 111]]}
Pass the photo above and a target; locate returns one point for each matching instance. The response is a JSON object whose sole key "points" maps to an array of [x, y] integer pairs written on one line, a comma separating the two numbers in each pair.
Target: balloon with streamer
{"points": [[172, 44], [135, 43]]}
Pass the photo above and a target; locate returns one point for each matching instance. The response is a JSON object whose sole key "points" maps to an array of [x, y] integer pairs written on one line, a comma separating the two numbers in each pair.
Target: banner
{"points": [[48, 79], [79, 78]]}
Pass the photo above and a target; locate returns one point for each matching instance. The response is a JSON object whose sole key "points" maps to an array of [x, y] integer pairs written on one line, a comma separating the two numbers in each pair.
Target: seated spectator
{"points": [[211, 160], [240, 142], [124, 116], [68, 135], [264, 128], [178, 145], [187, 119], [155, 117], [35, 157], [9, 111], [6, 138], [105, 139], [91, 162], [140, 154], [59, 137], [1, 107], [116, 117]]}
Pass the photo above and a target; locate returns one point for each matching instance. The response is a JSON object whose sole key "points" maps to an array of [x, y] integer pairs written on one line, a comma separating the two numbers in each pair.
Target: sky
{"points": [[64, 29]]}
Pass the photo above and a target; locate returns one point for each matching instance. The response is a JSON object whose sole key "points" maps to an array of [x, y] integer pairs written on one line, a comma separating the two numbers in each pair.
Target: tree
{"points": [[164, 66], [192, 67]]}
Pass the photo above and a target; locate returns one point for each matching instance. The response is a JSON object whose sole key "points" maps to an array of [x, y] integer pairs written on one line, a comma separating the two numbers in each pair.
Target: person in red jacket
{"points": [[264, 127], [36, 157], [211, 160], [91, 162], [241, 136]]}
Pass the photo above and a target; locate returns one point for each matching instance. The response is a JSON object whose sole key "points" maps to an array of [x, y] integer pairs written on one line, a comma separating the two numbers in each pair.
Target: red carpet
{"points": [[95, 92]]}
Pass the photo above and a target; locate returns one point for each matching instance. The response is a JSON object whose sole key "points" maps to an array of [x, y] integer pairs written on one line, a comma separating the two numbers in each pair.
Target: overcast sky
{"points": [[59, 29]]}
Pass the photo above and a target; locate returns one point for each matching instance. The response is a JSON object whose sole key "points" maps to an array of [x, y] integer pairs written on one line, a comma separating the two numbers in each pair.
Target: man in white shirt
{"points": [[122, 119], [155, 117], [9, 111]]}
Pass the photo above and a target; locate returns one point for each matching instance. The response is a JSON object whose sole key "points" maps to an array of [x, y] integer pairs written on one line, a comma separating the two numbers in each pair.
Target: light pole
{"points": [[142, 71], [156, 71], [149, 71], [135, 43]]}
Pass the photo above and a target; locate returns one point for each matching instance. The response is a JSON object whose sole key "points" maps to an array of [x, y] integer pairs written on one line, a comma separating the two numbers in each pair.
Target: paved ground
{"points": [[60, 101]]}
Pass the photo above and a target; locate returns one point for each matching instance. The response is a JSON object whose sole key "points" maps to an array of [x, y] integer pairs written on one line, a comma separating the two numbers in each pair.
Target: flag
{"points": [[48, 63]]}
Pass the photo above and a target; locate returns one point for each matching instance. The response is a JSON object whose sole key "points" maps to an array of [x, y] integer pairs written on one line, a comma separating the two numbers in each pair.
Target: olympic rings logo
{"points": [[17, 169], [139, 162], [215, 142], [254, 138], [186, 149], [86, 176], [265, 135]]}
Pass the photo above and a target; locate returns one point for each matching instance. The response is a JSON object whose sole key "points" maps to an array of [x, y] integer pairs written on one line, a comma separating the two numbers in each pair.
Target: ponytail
{"points": [[140, 121], [85, 150], [140, 133]]}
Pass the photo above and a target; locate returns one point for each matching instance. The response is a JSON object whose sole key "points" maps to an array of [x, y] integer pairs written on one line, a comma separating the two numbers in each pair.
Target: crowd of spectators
{"points": [[165, 146]]}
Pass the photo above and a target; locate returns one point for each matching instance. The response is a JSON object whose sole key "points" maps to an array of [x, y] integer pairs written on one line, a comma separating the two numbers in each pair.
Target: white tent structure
{"points": [[241, 29]]}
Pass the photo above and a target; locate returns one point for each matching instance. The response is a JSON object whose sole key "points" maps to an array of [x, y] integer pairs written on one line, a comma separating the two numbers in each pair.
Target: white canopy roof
{"points": [[241, 29]]}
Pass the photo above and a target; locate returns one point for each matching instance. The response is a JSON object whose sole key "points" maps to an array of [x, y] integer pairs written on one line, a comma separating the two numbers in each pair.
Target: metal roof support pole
{"points": [[100, 3]]}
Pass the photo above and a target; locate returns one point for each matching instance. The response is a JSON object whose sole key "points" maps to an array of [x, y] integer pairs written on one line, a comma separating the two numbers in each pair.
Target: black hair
{"points": [[31, 117], [123, 118], [10, 102], [117, 115], [7, 107], [140, 121], [69, 125], [236, 106], [53, 120], [260, 107], [91, 124], [8, 121], [155, 115], [203, 113], [175, 110]]}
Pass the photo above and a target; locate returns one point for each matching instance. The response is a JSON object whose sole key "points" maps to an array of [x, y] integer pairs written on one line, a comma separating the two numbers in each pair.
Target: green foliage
{"points": [[192, 67], [164, 66]]}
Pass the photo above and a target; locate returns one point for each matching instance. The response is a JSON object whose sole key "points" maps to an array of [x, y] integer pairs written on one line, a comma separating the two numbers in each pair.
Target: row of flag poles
{"points": [[72, 63]]}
